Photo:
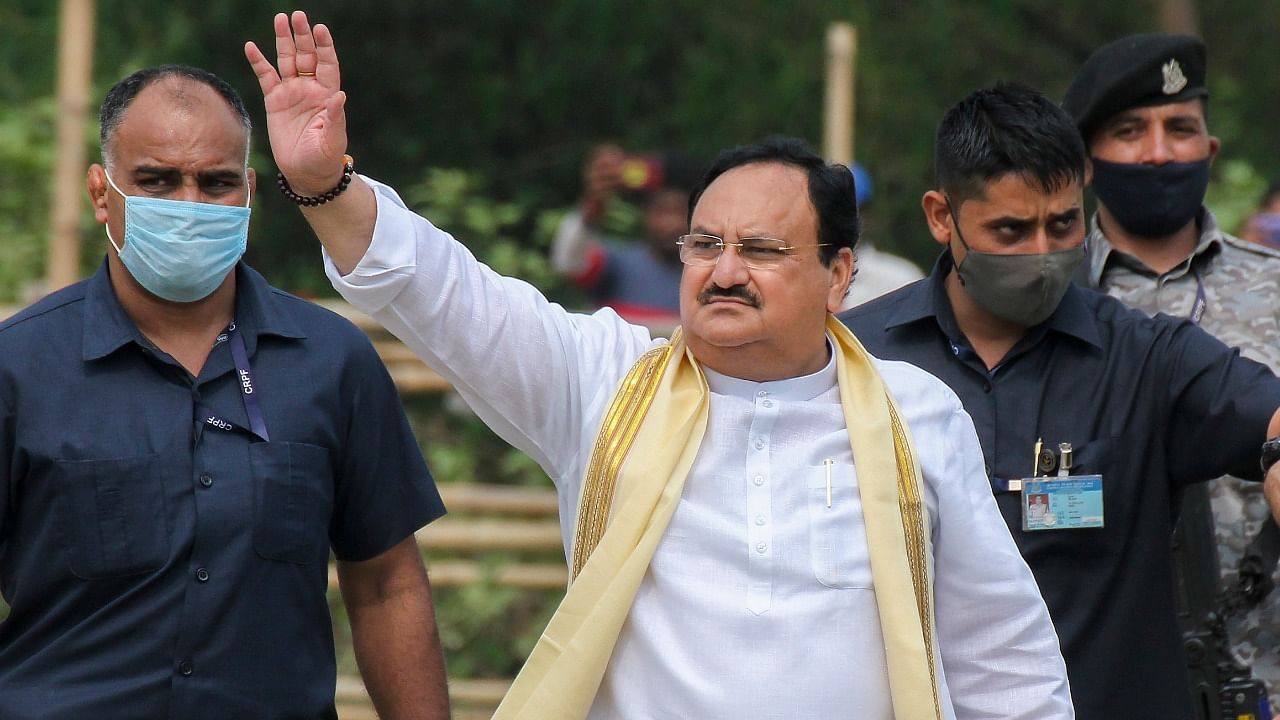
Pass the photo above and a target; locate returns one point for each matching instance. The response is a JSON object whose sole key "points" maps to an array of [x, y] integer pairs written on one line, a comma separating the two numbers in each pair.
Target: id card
{"points": [[1062, 503]]}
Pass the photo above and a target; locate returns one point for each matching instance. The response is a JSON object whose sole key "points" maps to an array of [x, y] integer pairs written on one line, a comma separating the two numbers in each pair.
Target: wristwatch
{"points": [[1270, 453]]}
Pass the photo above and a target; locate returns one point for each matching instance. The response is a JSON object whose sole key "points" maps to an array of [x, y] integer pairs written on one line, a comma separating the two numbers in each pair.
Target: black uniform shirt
{"points": [[159, 568], [1151, 404]]}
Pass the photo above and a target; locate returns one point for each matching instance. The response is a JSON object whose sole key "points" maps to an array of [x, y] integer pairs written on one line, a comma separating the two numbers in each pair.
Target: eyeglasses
{"points": [[757, 253]]}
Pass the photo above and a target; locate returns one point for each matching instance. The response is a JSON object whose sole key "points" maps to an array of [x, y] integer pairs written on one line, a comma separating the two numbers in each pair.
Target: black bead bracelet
{"points": [[348, 168]]}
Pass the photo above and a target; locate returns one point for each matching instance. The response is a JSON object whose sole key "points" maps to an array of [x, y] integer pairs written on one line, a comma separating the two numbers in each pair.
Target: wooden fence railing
{"points": [[482, 518]]}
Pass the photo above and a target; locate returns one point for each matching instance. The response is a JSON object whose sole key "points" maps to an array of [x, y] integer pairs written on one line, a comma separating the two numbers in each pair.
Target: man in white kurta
{"points": [[758, 601]]}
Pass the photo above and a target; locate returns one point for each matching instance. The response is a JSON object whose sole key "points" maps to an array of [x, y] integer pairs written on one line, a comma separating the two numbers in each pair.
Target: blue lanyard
{"points": [[244, 376]]}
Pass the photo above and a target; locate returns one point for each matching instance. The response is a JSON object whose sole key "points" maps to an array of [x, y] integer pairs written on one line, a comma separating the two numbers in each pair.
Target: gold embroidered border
{"points": [[617, 433], [911, 505]]}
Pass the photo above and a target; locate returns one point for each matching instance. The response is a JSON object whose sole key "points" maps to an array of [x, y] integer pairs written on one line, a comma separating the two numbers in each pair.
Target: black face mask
{"points": [[1151, 201]]}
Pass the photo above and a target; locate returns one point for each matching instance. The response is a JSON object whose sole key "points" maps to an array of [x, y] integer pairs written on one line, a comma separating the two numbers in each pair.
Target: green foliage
{"points": [[26, 154], [502, 234], [1235, 193], [487, 630]]}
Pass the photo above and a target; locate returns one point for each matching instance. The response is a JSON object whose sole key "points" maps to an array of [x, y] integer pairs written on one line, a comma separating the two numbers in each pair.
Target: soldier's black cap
{"points": [[1135, 71]]}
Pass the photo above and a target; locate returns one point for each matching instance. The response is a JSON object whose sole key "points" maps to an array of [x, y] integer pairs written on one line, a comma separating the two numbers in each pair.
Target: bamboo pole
{"points": [[839, 106], [1179, 16], [75, 67]]}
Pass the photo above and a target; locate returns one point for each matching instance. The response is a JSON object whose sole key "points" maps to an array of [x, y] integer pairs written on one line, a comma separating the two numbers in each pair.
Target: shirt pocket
{"points": [[837, 535], [112, 515], [292, 501]]}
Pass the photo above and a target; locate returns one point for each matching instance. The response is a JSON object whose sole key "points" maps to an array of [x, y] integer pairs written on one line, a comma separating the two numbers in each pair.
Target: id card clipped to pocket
{"points": [[1065, 502], [1062, 503]]}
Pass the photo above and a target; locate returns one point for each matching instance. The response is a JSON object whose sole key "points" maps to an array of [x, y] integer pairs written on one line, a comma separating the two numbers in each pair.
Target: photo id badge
{"points": [[1062, 503]]}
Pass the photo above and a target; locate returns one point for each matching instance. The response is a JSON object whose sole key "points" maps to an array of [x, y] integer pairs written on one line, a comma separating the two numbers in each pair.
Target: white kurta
{"points": [[759, 601]]}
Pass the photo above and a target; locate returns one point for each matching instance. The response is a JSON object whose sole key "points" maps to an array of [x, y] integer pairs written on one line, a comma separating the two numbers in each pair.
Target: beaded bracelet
{"points": [[348, 168]]}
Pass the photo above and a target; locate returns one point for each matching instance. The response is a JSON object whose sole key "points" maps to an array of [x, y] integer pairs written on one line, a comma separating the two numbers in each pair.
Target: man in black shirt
{"points": [[1064, 381], [181, 446]]}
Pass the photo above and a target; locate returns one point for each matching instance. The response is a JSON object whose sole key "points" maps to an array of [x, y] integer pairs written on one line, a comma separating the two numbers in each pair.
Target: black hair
{"points": [[122, 94], [831, 188], [1008, 128]]}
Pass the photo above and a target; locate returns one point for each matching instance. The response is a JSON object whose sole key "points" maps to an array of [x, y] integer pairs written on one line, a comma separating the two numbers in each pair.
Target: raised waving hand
{"points": [[307, 124], [305, 117]]}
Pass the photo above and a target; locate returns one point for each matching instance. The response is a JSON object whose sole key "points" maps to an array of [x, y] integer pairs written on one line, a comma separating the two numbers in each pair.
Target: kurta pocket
{"points": [[837, 534]]}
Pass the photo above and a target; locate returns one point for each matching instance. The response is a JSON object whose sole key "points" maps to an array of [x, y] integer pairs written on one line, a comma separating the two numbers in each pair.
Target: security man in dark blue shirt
{"points": [[182, 444], [1119, 410]]}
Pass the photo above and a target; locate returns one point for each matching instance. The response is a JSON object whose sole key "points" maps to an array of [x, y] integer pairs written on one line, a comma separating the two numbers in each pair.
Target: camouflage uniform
{"points": [[1242, 293]]}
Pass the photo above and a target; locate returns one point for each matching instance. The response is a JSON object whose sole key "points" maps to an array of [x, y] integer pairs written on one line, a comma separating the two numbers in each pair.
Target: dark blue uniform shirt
{"points": [[1151, 404], [158, 568]]}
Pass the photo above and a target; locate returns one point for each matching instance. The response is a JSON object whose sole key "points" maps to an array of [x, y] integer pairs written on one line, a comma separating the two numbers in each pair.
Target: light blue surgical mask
{"points": [[180, 251]]}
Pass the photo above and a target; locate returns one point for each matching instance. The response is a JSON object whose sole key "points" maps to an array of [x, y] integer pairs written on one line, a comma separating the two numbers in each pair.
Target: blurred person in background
{"points": [[877, 272], [639, 279], [1263, 226]]}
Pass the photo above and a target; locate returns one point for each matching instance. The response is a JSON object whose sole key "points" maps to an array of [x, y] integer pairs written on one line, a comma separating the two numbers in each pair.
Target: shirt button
{"points": [[763, 393], [202, 574], [759, 444], [206, 479], [761, 547], [758, 480], [184, 667], [767, 403], [759, 519], [986, 386]]}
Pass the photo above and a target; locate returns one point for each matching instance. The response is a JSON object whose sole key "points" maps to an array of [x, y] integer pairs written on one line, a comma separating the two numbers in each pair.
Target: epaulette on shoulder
{"points": [[1251, 247]]}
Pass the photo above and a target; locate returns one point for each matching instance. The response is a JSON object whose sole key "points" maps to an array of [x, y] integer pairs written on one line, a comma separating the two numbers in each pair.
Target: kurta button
{"points": [[206, 479], [767, 403], [759, 444], [202, 574], [761, 547], [184, 667], [760, 520], [758, 480]]}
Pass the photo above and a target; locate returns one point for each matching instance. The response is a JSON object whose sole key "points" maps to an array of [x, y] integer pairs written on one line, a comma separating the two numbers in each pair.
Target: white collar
{"points": [[805, 387]]}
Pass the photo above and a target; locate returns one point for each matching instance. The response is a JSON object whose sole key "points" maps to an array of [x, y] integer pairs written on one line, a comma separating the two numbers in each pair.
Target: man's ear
{"points": [[96, 184], [841, 275], [251, 177], [1214, 146], [937, 214]]}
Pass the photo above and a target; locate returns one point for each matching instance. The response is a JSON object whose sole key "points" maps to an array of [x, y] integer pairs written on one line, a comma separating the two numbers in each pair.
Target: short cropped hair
{"points": [[1006, 129], [831, 187], [122, 94]]}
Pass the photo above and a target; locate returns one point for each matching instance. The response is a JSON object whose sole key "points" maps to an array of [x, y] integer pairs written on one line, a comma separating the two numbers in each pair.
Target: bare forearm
{"points": [[345, 224], [393, 628], [398, 651]]}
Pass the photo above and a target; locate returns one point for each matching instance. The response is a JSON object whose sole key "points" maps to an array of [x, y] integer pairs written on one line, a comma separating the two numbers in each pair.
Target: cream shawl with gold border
{"points": [[648, 441]]}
